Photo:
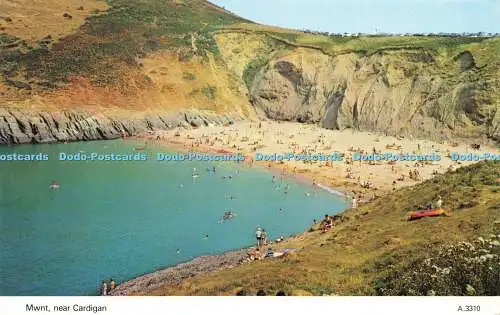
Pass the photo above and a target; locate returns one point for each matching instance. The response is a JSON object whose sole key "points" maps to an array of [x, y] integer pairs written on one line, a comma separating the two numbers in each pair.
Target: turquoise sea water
{"points": [[124, 219]]}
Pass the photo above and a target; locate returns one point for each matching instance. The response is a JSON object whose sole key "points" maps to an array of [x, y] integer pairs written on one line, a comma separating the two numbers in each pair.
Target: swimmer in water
{"points": [[54, 185], [205, 237], [181, 185], [178, 251], [274, 179], [308, 194], [228, 215]]}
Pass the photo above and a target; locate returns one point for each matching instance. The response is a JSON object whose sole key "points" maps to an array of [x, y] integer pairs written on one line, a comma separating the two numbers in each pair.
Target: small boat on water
{"points": [[415, 215]]}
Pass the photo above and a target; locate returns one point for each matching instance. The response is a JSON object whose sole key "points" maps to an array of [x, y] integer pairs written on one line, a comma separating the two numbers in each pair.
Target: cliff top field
{"points": [[162, 56]]}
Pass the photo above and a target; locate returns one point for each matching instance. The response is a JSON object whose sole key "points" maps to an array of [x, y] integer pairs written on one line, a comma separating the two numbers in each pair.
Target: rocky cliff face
{"points": [[42, 127], [400, 92], [423, 92]]}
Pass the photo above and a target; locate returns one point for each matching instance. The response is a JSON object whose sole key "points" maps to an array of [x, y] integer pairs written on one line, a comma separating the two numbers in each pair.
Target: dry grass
{"points": [[34, 19]]}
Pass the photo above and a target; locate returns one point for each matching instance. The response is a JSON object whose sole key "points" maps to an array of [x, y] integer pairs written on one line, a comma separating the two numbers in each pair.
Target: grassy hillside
{"points": [[374, 250], [151, 55], [112, 41]]}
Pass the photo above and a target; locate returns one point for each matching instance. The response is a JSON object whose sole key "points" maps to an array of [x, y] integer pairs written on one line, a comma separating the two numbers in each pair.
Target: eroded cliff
{"points": [[417, 92]]}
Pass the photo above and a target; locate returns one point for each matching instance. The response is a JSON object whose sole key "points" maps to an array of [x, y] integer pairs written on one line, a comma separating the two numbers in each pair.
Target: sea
{"points": [[66, 225]]}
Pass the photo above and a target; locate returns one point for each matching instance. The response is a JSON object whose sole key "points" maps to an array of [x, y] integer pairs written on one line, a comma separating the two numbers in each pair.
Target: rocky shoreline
{"points": [[18, 127], [176, 274]]}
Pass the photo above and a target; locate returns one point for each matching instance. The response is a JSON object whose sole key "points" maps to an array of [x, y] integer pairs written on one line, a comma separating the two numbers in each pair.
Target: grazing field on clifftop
{"points": [[362, 254]]}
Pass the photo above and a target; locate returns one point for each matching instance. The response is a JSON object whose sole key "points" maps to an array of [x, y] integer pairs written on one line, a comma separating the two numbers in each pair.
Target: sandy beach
{"points": [[365, 179]]}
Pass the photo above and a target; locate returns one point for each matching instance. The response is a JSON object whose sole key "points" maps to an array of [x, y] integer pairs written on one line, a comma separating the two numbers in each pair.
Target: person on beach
{"points": [[439, 203], [104, 288], [264, 238], [112, 286], [354, 203], [258, 236]]}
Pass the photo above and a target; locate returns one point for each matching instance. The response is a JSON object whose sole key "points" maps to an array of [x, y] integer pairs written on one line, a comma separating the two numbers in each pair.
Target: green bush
{"points": [[209, 91], [188, 76], [466, 268], [251, 71]]}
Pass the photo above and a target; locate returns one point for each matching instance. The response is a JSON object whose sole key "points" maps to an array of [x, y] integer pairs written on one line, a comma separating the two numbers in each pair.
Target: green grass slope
{"points": [[110, 43], [374, 250]]}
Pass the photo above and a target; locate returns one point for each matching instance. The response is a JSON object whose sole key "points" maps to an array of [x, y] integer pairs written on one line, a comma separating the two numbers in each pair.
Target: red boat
{"points": [[415, 215]]}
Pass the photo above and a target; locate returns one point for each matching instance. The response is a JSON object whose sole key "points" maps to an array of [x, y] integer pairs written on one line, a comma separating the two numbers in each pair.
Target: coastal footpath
{"points": [[18, 127]]}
